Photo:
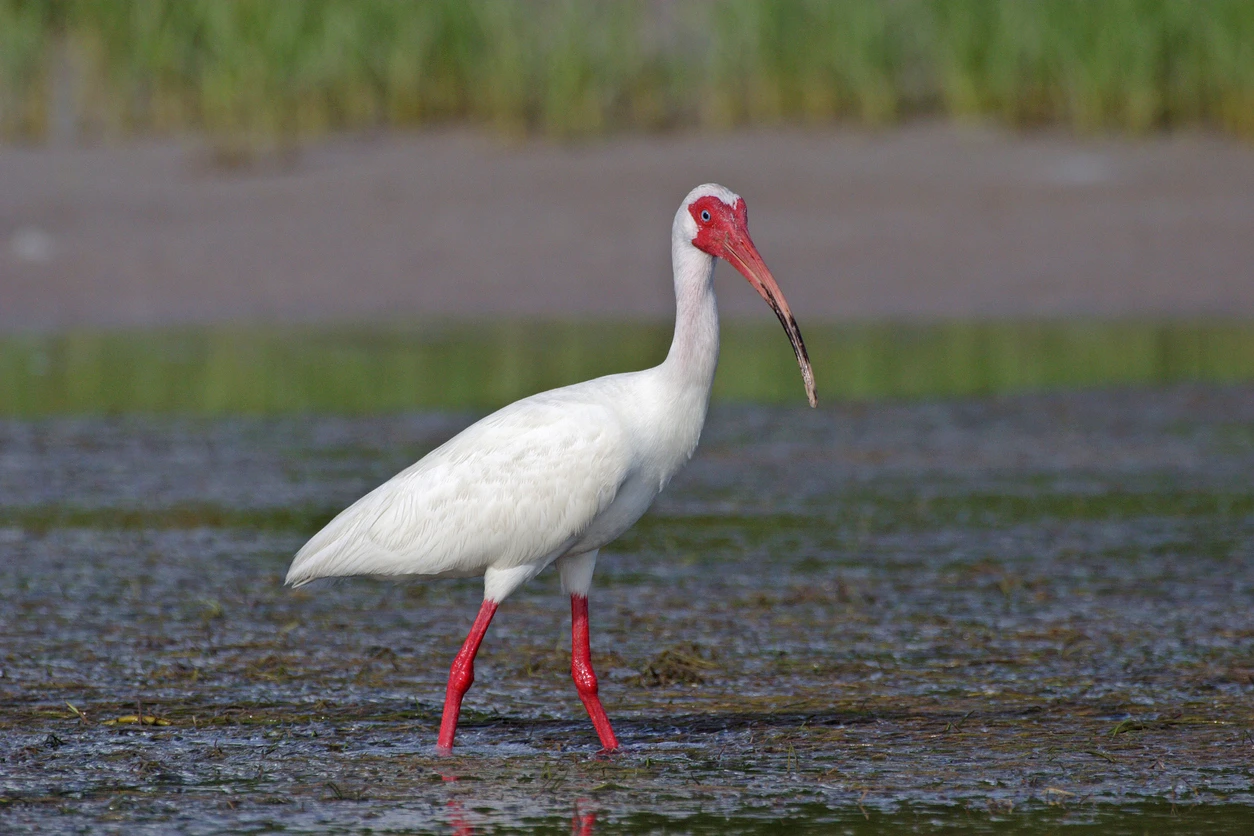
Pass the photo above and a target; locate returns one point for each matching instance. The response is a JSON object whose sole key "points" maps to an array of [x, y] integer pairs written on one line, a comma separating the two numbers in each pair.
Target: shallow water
{"points": [[1028, 613], [347, 370]]}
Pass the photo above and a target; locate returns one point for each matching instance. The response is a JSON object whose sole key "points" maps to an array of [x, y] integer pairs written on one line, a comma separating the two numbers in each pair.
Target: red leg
{"points": [[581, 671], [462, 675]]}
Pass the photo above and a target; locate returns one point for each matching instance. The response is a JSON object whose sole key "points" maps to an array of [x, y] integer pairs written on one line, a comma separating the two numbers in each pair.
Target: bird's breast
{"points": [[660, 453], [634, 497]]}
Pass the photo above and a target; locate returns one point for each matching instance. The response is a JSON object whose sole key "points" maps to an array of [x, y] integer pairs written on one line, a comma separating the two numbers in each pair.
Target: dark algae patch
{"points": [[1018, 614]]}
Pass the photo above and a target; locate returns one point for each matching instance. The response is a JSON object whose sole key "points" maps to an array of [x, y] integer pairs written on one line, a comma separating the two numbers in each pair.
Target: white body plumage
{"points": [[552, 477]]}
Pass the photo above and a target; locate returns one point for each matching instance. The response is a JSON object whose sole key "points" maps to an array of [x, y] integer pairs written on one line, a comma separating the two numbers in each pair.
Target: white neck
{"points": [[693, 356], [679, 389]]}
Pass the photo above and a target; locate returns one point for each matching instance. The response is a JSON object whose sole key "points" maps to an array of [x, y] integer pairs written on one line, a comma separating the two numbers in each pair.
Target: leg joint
{"points": [[462, 674], [585, 678]]}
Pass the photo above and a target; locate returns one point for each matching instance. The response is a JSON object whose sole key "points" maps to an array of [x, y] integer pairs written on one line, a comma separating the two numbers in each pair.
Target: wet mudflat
{"points": [[1031, 612]]}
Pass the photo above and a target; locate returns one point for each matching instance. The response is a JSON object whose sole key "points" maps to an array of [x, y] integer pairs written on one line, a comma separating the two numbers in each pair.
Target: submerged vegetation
{"points": [[266, 370], [257, 72]]}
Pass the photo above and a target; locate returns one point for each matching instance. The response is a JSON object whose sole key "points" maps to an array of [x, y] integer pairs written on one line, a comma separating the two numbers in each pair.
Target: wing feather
{"points": [[509, 490]]}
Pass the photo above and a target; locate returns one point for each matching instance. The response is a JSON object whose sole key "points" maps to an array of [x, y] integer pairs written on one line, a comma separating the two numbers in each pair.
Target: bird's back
{"points": [[515, 488]]}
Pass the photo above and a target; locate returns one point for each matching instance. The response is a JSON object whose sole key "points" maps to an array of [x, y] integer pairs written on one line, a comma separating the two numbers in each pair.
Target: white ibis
{"points": [[555, 477]]}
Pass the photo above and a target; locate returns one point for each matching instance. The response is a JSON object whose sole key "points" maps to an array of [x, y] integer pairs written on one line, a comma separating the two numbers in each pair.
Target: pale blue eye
{"points": [[705, 215]]}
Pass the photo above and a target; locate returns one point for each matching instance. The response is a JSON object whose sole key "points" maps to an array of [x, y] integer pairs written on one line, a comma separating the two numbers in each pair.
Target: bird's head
{"points": [[720, 227]]}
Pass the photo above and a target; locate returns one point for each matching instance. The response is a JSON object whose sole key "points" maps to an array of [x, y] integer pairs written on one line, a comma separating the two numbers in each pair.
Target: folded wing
{"points": [[510, 490]]}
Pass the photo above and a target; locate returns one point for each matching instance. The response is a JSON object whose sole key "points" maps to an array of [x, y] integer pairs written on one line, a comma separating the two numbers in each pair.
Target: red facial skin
{"points": [[725, 234], [724, 220]]}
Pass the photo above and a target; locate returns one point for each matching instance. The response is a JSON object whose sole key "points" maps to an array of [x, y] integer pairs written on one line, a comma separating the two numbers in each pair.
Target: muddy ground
{"points": [[1031, 613]]}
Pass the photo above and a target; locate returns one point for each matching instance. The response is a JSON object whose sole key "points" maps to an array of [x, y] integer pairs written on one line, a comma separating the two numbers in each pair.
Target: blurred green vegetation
{"points": [[257, 71], [358, 370]]}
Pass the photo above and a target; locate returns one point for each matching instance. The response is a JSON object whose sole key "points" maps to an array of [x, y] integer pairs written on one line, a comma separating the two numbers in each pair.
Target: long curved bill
{"points": [[743, 255]]}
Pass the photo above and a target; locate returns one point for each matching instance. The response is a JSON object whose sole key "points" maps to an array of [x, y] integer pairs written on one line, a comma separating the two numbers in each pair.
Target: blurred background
{"points": [[226, 225], [355, 205]]}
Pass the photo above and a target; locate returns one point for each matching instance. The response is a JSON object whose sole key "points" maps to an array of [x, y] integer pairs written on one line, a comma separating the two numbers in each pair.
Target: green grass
{"points": [[386, 369], [255, 72]]}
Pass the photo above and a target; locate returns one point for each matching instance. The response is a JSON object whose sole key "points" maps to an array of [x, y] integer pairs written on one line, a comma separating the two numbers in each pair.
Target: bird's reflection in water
{"points": [[583, 820], [457, 819]]}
